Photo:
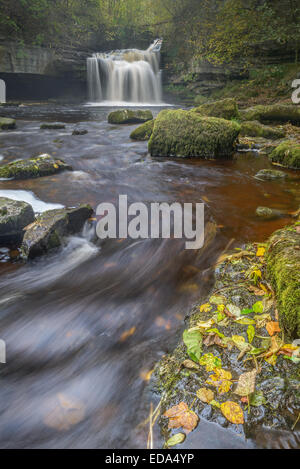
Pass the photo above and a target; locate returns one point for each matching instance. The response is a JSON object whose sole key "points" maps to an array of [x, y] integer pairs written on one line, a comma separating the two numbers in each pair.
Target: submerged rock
{"points": [[49, 229], [272, 113], [43, 165], [14, 216], [127, 116], [7, 124], [187, 134], [283, 267], [256, 129], [79, 132], [270, 174], [52, 126], [225, 108], [143, 132], [268, 213], [287, 154]]}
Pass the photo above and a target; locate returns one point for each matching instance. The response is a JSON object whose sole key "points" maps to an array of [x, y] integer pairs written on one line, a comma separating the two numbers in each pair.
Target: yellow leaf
{"points": [[127, 334], [260, 252], [233, 412], [221, 380], [205, 308], [55, 166], [205, 395]]}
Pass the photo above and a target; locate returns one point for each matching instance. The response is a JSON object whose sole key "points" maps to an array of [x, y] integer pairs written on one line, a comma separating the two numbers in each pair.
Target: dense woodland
{"points": [[216, 30]]}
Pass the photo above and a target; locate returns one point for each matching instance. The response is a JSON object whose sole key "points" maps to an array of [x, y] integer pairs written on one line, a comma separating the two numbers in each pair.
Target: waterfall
{"points": [[126, 76]]}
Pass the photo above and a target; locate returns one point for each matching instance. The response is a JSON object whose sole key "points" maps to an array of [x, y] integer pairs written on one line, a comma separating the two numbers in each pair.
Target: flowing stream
{"points": [[85, 325]]}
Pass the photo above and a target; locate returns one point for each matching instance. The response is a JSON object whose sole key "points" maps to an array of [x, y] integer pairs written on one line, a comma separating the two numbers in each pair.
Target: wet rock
{"points": [[187, 134], [127, 116], [43, 165], [225, 108], [283, 261], [272, 113], [7, 124], [270, 174], [287, 154], [79, 132], [143, 132], [268, 213], [49, 229], [14, 216], [52, 126], [256, 129]]}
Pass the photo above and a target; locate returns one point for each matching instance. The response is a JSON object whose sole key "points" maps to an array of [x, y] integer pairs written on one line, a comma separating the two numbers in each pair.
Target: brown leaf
{"points": [[273, 327], [246, 383], [181, 416], [205, 395]]}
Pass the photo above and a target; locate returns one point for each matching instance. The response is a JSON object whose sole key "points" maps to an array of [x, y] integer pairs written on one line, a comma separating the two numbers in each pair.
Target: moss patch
{"points": [[256, 129], [143, 132], [287, 154], [43, 165], [225, 108], [272, 113], [127, 116], [7, 124]]}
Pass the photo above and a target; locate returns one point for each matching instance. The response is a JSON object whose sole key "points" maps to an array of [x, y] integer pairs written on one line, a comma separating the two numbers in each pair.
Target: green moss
{"points": [[256, 129], [272, 113], [187, 134], [127, 116], [225, 108], [7, 124], [143, 132], [32, 168], [287, 154], [283, 267]]}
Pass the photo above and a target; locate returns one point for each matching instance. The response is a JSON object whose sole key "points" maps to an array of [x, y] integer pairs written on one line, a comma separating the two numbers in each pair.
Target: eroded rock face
{"points": [[187, 134], [127, 116], [287, 154], [49, 229], [43, 165], [143, 132], [225, 108], [14, 216], [7, 124], [256, 129]]}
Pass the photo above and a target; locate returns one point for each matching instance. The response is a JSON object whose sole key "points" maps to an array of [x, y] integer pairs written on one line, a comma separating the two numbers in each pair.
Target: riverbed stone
{"points": [[7, 123], [79, 132], [225, 108], [14, 216], [270, 175], [49, 229], [187, 134], [256, 129], [52, 126], [272, 113], [287, 154], [268, 213], [43, 165], [143, 132], [128, 116]]}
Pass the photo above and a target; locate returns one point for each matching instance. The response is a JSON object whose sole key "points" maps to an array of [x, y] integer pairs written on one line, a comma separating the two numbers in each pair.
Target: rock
{"points": [[225, 108], [7, 124], [52, 126], [43, 165], [50, 227], [187, 134], [268, 213], [270, 174], [287, 154], [256, 129], [79, 132], [143, 132], [272, 113], [127, 116], [283, 261], [14, 216]]}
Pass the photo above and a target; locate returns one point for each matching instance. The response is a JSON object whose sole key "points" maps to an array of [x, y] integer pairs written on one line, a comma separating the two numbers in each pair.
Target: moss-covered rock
{"points": [[143, 132], [187, 134], [225, 108], [14, 216], [80, 132], [43, 165], [52, 126], [7, 124], [50, 227], [268, 213], [128, 116], [256, 129], [272, 113], [287, 154], [270, 175], [283, 267]]}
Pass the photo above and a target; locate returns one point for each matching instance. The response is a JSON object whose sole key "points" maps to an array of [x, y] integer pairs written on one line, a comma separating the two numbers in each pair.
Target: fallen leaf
{"points": [[273, 327], [66, 412], [257, 399], [146, 375], [258, 307], [217, 300], [205, 395], [205, 308], [175, 440], [221, 380], [190, 365], [250, 333], [246, 383], [240, 342], [193, 343], [233, 310], [260, 251], [210, 362], [233, 412], [127, 334], [181, 416]]}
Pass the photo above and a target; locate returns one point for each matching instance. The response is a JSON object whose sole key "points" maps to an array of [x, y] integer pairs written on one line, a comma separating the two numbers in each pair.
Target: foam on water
{"points": [[27, 196]]}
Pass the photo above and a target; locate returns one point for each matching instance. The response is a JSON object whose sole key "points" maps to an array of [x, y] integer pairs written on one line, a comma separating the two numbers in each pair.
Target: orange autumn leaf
{"points": [[181, 416], [233, 412], [273, 327], [127, 334]]}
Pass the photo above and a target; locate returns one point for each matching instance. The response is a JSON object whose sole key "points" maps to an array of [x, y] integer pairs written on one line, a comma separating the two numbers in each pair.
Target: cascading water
{"points": [[130, 75]]}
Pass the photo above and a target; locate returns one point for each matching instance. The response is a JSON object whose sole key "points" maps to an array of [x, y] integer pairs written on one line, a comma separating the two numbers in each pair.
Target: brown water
{"points": [[83, 326]]}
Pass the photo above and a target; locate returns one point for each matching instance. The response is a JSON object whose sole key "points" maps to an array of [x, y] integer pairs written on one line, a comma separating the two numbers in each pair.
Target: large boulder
{"points": [[7, 124], [225, 108], [283, 261], [287, 154], [272, 113], [256, 129], [49, 229], [187, 134], [128, 116], [43, 165], [14, 216], [143, 132]]}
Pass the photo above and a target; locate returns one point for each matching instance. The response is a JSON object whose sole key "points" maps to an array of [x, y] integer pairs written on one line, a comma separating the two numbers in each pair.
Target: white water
{"points": [[27, 196], [126, 77]]}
